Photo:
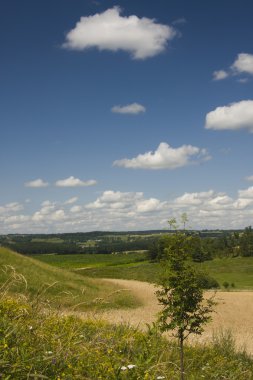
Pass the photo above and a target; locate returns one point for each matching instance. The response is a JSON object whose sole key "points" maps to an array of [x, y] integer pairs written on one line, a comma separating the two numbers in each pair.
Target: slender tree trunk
{"points": [[181, 346]]}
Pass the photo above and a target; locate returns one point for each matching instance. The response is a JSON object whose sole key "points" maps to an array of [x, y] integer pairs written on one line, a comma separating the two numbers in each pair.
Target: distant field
{"points": [[91, 260], [134, 266]]}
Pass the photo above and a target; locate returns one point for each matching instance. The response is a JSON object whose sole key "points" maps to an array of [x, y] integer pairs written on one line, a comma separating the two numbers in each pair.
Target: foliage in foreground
{"points": [[35, 344], [184, 309]]}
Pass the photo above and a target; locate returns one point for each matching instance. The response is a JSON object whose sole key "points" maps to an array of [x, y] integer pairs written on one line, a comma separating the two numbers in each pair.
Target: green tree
{"points": [[185, 310]]}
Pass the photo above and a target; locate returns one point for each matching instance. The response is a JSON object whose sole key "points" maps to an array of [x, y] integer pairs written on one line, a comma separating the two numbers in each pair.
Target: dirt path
{"points": [[234, 312]]}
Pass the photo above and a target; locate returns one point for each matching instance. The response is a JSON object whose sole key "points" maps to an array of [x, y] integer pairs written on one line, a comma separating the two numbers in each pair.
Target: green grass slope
{"points": [[60, 286], [237, 270]]}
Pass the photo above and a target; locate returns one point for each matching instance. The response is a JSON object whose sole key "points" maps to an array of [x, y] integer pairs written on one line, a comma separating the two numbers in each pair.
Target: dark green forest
{"points": [[206, 244]]}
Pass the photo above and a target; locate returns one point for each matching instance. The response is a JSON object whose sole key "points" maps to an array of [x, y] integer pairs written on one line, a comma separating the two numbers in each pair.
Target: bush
{"points": [[208, 282]]}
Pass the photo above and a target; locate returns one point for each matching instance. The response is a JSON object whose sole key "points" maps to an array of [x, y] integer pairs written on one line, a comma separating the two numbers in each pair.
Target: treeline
{"points": [[228, 244], [207, 244], [104, 246], [77, 236]]}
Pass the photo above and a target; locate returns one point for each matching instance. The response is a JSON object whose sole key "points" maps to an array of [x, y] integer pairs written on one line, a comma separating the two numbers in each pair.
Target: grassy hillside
{"points": [[237, 270], [60, 286]]}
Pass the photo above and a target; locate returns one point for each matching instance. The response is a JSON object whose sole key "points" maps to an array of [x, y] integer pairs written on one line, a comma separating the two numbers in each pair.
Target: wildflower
{"points": [[160, 377], [123, 368], [30, 327], [49, 352], [130, 366]]}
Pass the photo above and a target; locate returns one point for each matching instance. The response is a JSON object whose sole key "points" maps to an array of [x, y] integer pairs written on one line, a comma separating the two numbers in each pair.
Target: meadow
{"points": [[135, 266], [44, 333], [39, 341]]}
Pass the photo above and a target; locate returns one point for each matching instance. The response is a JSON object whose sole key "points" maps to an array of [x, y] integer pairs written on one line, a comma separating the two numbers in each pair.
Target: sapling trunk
{"points": [[181, 347]]}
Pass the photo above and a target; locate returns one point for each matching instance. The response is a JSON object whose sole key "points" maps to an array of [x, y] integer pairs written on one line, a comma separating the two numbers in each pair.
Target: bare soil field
{"points": [[234, 312]]}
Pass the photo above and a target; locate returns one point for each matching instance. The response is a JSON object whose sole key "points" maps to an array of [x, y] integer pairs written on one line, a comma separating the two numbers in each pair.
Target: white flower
{"points": [[30, 327], [123, 368], [130, 366], [49, 352], [160, 377]]}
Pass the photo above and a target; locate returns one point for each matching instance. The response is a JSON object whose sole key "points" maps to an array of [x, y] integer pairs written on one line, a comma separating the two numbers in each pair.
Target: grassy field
{"points": [[91, 260], [60, 286], [238, 270], [39, 345]]}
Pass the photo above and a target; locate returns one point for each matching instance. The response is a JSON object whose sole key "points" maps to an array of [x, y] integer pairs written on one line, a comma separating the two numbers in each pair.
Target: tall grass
{"points": [[38, 343], [61, 287], [35, 344]]}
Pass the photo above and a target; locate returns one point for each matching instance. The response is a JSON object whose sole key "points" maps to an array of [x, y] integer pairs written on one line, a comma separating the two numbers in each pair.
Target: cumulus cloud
{"points": [[142, 37], [132, 109], [117, 210], [37, 183], [165, 157], [242, 65], [220, 74], [235, 116], [11, 207], [189, 199], [74, 182], [247, 193]]}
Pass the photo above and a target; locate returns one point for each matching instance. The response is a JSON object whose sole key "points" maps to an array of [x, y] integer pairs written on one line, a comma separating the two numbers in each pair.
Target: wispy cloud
{"points": [[142, 37], [71, 201], [37, 183], [165, 157], [132, 109], [74, 182], [220, 74]]}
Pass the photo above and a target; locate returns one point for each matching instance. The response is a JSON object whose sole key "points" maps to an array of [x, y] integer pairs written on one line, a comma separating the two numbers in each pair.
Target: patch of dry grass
{"points": [[233, 312]]}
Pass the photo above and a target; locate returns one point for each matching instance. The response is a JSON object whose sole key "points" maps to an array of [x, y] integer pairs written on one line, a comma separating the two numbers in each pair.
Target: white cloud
{"points": [[243, 64], [76, 209], [165, 157], [16, 219], [116, 210], [142, 37], [189, 199], [37, 183], [220, 74], [71, 201], [249, 178], [248, 193], [74, 182], [11, 207], [132, 109], [149, 205], [235, 116]]}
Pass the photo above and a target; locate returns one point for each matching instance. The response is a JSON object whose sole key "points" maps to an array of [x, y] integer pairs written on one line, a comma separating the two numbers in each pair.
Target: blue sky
{"points": [[122, 114]]}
